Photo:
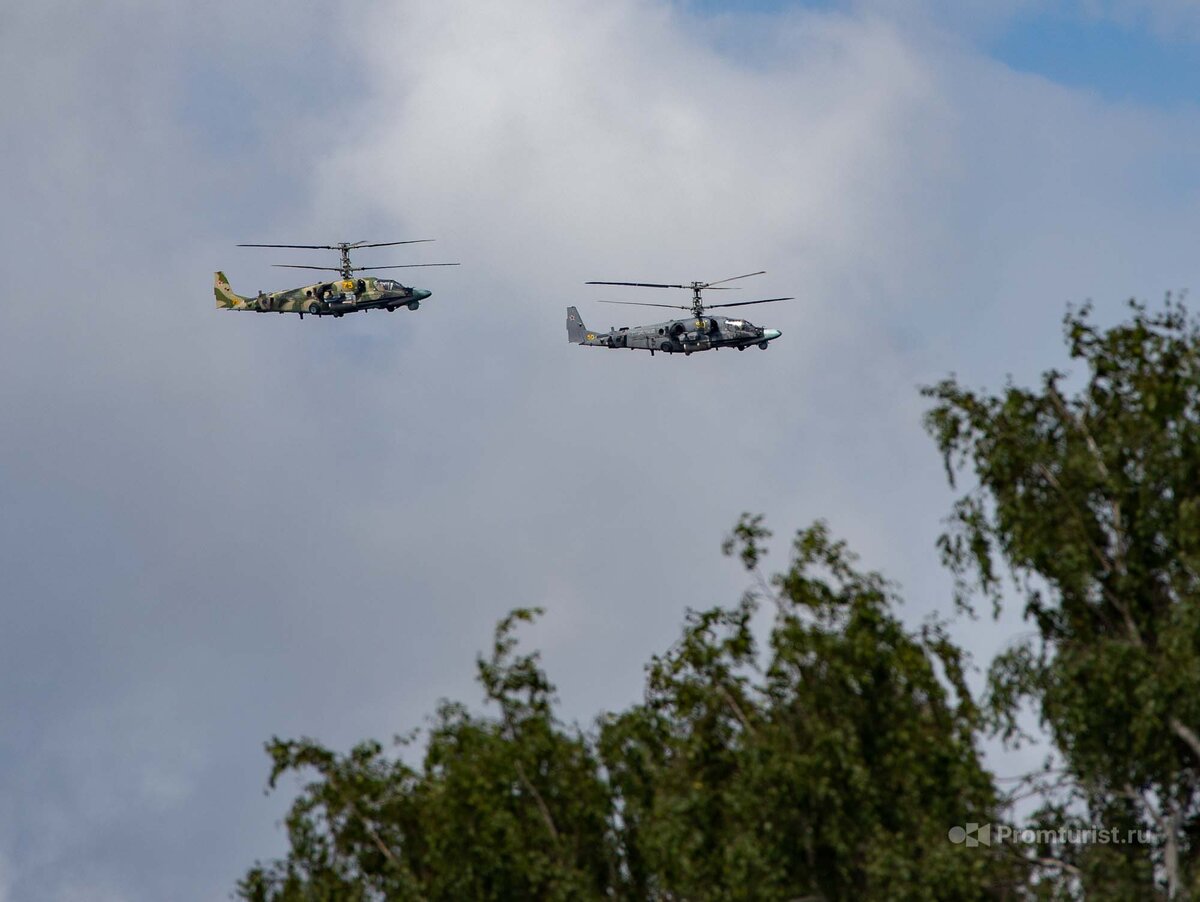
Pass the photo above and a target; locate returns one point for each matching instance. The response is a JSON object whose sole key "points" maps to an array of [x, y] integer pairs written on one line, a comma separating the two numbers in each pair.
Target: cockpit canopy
{"points": [[740, 324], [389, 285]]}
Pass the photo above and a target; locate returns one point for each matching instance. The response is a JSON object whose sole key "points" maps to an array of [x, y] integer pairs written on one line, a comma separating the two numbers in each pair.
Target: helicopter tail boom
{"points": [[226, 298]]}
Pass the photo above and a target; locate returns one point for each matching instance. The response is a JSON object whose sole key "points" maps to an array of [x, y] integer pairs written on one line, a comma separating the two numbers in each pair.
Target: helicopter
{"points": [[347, 294], [697, 333]]}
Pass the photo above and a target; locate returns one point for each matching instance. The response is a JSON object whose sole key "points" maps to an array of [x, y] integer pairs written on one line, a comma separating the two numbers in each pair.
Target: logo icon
{"points": [[972, 835]]}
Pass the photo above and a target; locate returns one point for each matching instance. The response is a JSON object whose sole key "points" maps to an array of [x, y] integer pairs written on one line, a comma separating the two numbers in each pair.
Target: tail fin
{"points": [[225, 296], [576, 331]]}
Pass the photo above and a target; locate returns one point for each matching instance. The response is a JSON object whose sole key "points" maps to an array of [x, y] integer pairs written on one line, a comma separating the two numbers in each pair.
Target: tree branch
{"points": [[1043, 861], [741, 716], [1101, 558], [379, 843], [1185, 733], [1119, 541], [525, 781], [375, 838], [1050, 862], [538, 800]]}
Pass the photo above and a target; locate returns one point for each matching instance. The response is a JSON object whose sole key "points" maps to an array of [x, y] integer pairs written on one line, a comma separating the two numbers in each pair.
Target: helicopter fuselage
{"points": [[333, 298], [679, 336]]}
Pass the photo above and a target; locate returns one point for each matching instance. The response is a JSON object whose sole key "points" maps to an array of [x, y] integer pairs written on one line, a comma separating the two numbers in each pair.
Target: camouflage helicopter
{"points": [[347, 294], [697, 333]]}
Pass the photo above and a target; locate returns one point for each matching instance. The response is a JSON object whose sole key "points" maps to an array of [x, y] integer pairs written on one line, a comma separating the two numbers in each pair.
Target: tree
{"points": [[503, 808], [1092, 499], [829, 767], [830, 770]]}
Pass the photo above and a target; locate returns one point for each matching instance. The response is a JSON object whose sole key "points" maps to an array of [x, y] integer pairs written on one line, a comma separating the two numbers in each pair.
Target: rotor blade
{"points": [[638, 304], [392, 243], [400, 266], [301, 266], [761, 272], [638, 284], [747, 303], [311, 247], [338, 247]]}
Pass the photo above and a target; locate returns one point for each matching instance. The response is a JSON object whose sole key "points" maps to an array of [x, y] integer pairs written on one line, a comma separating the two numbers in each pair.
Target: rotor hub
{"points": [[347, 269]]}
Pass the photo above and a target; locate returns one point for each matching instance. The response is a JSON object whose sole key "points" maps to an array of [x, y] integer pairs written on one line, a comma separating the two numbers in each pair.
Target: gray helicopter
{"points": [[697, 333]]}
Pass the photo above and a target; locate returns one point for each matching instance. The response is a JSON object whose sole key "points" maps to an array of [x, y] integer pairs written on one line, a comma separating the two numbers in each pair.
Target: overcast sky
{"points": [[219, 527]]}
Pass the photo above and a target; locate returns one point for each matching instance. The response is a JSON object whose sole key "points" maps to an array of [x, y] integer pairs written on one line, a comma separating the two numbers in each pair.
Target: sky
{"points": [[216, 528]]}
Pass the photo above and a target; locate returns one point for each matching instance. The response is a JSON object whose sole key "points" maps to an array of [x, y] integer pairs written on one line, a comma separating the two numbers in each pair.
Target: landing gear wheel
{"points": [[741, 347], [413, 305], [763, 345], [314, 308], [391, 308], [665, 346]]}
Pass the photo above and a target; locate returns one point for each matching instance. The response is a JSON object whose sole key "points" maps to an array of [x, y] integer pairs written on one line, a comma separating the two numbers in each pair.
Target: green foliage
{"points": [[1092, 499], [508, 808], [829, 764], [830, 770]]}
